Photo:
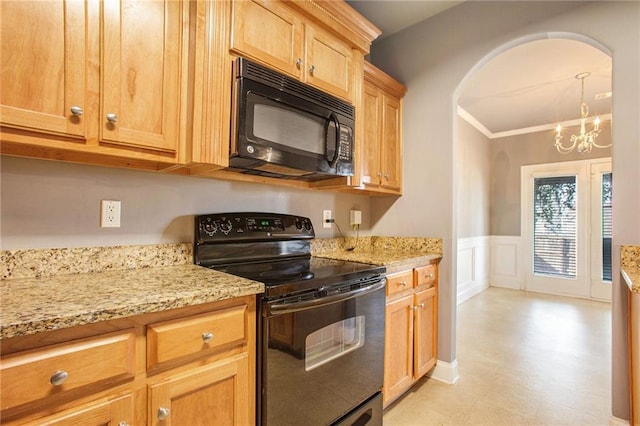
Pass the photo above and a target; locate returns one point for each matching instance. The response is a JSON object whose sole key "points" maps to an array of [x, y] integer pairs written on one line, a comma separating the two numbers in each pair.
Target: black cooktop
{"points": [[272, 248], [298, 275]]}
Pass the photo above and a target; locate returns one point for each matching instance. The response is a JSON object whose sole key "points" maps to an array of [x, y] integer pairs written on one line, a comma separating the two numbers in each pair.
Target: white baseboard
{"points": [[445, 372], [471, 289], [615, 421]]}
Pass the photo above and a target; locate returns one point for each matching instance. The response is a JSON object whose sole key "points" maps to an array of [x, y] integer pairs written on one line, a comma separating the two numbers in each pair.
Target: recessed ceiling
{"points": [[534, 85], [527, 88]]}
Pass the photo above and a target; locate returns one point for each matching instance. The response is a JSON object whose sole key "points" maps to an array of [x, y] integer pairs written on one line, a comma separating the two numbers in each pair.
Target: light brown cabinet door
{"points": [[425, 333], [44, 66], [119, 411], [216, 394], [372, 116], [398, 354], [391, 150], [141, 80], [328, 64], [268, 32]]}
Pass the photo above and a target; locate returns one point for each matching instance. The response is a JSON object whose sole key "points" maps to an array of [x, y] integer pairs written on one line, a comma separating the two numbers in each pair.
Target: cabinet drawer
{"points": [[399, 281], [426, 275], [199, 334], [30, 375]]}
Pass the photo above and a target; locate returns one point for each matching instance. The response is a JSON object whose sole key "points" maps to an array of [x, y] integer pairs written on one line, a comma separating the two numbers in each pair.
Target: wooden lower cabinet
{"points": [[197, 369], [118, 411], [411, 325], [216, 394], [398, 348]]}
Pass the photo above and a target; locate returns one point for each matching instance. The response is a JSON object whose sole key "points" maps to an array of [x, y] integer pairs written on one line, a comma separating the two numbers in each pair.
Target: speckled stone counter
{"points": [[630, 266], [43, 301], [396, 253]]}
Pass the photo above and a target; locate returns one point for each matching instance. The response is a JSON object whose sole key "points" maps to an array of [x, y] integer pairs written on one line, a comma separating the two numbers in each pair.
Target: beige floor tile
{"points": [[524, 358]]}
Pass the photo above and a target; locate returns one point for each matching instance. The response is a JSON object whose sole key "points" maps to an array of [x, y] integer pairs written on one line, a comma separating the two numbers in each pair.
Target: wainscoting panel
{"points": [[472, 267], [507, 262]]}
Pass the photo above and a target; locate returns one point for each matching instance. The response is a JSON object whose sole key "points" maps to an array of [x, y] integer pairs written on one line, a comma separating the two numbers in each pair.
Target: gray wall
{"points": [[510, 153], [48, 204], [473, 172], [434, 58]]}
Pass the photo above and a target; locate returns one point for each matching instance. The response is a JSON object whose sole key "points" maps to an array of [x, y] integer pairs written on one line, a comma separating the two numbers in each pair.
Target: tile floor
{"points": [[523, 359]]}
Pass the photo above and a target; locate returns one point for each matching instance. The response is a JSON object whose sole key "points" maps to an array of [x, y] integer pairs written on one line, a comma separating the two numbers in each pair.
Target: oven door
{"points": [[323, 358]]}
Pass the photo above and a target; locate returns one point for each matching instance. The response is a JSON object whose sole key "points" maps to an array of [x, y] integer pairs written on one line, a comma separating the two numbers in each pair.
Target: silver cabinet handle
{"points": [[76, 110], [123, 424], [430, 275], [387, 176], [207, 337], [378, 174], [163, 413], [420, 306], [112, 118], [312, 69], [58, 378], [403, 283], [299, 63]]}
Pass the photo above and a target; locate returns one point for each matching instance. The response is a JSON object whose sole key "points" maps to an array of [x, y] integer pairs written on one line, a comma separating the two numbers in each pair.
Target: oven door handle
{"points": [[287, 308]]}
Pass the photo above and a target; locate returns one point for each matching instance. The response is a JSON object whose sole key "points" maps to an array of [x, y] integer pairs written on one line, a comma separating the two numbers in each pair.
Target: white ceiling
{"points": [[530, 87]]}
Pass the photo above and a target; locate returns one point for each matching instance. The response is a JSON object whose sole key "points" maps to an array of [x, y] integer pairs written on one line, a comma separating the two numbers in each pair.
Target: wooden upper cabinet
{"points": [[141, 47], [101, 82], [372, 115], [269, 31], [381, 165], [328, 62], [44, 66]]}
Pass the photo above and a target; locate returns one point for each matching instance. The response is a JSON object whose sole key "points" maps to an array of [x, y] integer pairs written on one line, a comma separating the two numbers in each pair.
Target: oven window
{"points": [[333, 341], [275, 122]]}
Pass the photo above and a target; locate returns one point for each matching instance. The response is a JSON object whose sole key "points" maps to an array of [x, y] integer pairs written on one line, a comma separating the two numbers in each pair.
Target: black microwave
{"points": [[287, 129]]}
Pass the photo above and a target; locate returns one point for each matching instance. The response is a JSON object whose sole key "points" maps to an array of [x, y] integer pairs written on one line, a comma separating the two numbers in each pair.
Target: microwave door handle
{"points": [[332, 162]]}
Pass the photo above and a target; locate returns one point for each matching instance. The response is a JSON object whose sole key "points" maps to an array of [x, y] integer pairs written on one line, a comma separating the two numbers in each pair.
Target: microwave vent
{"points": [[282, 82]]}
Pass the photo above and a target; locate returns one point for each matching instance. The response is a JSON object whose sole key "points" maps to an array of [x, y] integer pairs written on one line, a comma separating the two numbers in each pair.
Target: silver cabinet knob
{"points": [[207, 337], [76, 110], [112, 118], [123, 424], [58, 378], [299, 63], [387, 176], [163, 413], [403, 283], [378, 174], [420, 306], [312, 69]]}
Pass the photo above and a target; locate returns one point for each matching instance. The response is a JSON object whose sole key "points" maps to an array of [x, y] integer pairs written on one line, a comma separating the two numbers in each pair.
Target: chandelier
{"points": [[585, 141]]}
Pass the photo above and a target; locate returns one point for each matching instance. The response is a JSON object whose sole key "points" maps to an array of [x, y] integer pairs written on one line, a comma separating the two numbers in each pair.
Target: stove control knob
{"points": [[298, 224], [225, 226], [307, 225], [210, 228]]}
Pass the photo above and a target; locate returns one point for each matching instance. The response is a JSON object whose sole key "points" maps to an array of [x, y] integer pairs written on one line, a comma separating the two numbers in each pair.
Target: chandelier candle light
{"points": [[585, 141]]}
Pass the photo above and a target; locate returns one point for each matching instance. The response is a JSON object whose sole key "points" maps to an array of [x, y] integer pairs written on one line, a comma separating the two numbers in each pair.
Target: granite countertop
{"points": [[51, 289], [630, 267], [395, 253], [146, 279]]}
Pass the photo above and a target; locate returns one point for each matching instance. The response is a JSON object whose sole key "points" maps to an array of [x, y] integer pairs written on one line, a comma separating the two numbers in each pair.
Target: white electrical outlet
{"points": [[355, 217], [110, 214], [326, 217]]}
